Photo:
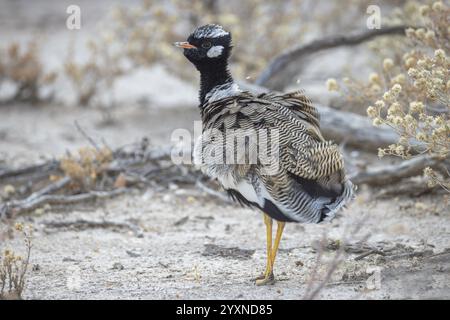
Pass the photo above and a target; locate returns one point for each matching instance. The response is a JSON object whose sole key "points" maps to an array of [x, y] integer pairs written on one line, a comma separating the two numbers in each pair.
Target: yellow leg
{"points": [[280, 229], [268, 277]]}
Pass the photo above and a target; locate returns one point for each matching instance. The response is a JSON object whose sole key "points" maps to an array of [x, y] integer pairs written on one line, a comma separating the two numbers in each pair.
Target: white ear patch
{"points": [[214, 51]]}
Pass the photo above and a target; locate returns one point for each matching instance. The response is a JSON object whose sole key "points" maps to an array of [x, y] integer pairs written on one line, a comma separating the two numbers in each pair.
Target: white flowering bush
{"points": [[411, 94]]}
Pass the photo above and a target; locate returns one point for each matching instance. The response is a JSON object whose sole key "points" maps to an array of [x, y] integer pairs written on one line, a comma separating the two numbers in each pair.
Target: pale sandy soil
{"points": [[164, 258], [183, 243]]}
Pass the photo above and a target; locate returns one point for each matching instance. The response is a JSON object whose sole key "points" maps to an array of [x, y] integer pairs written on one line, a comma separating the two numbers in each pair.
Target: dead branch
{"points": [[280, 71], [86, 136], [383, 175], [20, 206], [51, 188], [39, 169], [369, 253], [407, 188], [89, 224], [138, 165], [390, 251]]}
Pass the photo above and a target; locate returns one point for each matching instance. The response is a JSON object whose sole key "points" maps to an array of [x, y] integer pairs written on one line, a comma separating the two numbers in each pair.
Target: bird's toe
{"points": [[265, 280]]}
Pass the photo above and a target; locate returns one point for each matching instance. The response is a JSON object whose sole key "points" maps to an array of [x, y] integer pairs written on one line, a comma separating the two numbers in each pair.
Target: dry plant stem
{"points": [[21, 284], [279, 72], [388, 174], [86, 136], [312, 293], [13, 269]]}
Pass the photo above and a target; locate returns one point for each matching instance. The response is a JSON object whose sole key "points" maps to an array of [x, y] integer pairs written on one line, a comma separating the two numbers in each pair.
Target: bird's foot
{"points": [[265, 279]]}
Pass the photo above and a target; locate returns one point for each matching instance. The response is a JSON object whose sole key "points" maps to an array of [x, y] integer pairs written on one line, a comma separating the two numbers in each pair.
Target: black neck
{"points": [[212, 76]]}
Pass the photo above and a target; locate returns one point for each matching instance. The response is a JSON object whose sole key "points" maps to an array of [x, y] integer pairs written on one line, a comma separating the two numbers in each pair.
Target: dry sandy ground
{"points": [[180, 243]]}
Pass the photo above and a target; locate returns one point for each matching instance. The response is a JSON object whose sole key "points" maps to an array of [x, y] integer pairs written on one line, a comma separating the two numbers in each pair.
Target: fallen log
{"points": [[383, 175]]}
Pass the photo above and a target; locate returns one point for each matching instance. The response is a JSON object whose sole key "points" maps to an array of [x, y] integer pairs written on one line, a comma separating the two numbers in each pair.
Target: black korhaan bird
{"points": [[308, 183]]}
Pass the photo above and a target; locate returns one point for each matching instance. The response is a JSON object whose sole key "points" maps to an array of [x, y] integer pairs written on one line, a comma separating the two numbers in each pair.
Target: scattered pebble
{"points": [[133, 254], [181, 221], [118, 266], [299, 263], [68, 259]]}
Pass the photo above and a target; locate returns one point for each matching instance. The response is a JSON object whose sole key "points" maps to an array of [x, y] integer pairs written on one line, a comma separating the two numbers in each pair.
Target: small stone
{"points": [[68, 259], [133, 254], [118, 266], [299, 263]]}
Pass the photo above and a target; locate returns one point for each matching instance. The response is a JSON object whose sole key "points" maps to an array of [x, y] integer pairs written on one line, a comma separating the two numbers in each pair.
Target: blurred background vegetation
{"points": [[121, 67]]}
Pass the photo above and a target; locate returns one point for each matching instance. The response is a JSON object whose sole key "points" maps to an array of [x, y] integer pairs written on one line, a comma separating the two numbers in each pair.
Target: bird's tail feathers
{"points": [[330, 211]]}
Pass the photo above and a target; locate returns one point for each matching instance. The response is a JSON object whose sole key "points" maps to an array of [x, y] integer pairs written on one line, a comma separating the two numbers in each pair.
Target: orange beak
{"points": [[185, 45]]}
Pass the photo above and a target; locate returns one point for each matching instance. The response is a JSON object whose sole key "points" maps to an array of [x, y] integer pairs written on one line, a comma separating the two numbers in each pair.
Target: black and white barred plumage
{"points": [[310, 184]]}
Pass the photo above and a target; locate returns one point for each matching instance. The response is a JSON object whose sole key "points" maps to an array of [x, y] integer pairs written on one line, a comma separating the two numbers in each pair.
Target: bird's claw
{"points": [[265, 279]]}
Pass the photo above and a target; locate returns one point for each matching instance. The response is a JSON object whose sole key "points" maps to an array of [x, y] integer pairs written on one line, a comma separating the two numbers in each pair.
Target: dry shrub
{"points": [[411, 92], [87, 168], [22, 68], [96, 75], [14, 267], [143, 36]]}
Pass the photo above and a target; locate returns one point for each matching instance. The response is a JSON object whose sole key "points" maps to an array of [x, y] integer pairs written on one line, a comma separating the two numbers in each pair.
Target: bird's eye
{"points": [[206, 45]]}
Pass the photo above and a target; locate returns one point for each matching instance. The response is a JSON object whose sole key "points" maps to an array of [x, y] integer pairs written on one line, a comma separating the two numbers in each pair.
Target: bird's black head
{"points": [[207, 46]]}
